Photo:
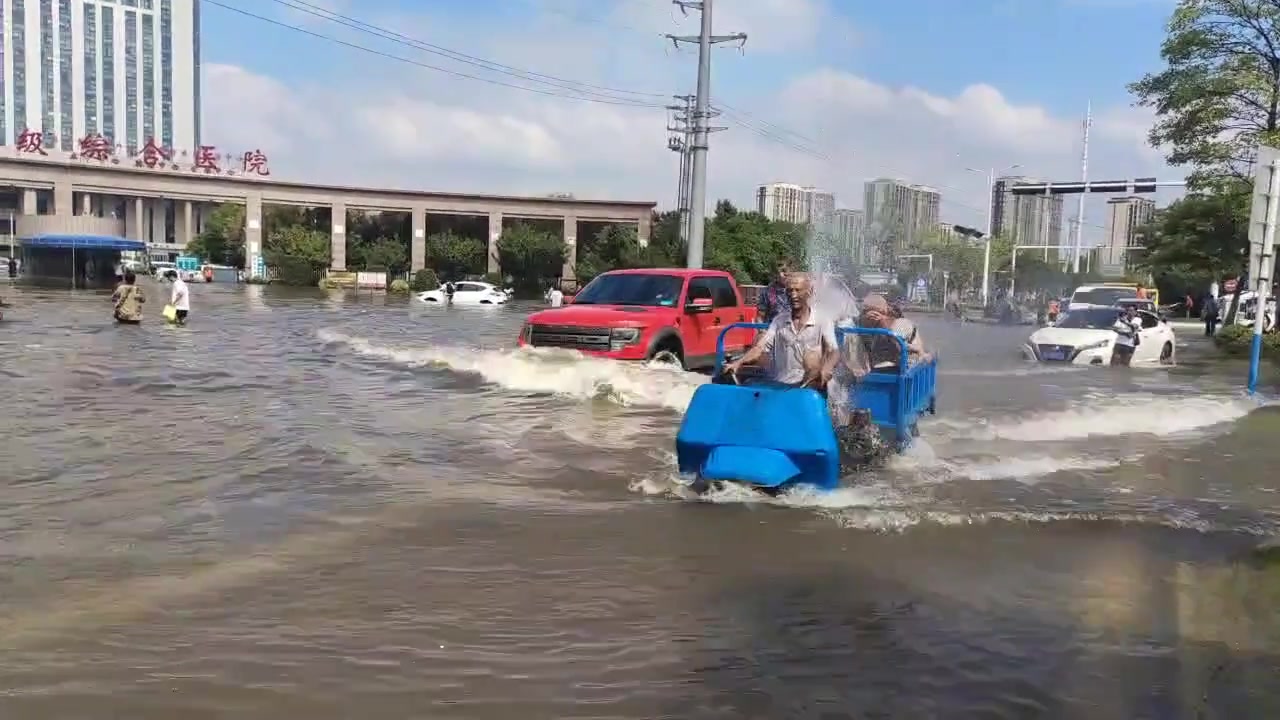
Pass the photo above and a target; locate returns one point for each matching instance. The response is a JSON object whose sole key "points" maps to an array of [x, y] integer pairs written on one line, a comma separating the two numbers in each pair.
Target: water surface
{"points": [[329, 506]]}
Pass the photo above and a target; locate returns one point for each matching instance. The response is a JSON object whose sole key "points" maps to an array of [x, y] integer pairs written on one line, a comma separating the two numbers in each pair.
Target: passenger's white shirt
{"points": [[1126, 331], [787, 343], [181, 298], [555, 297]]}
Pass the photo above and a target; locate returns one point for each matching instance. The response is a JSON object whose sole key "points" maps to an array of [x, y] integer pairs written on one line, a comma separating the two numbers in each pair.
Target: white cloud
{"points": [[412, 128]]}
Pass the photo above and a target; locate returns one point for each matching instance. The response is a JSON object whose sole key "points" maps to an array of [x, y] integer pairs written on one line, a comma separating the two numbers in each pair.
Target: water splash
{"points": [[540, 370]]}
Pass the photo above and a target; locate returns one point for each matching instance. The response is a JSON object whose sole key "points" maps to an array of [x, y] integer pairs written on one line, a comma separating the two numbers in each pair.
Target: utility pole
{"points": [[701, 121], [1084, 178], [681, 140]]}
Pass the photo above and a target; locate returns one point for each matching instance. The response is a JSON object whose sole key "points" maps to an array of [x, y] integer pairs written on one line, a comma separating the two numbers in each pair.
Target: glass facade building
{"points": [[128, 69]]}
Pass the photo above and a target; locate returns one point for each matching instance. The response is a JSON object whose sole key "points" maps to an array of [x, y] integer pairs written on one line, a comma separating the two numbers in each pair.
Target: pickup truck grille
{"points": [[569, 336]]}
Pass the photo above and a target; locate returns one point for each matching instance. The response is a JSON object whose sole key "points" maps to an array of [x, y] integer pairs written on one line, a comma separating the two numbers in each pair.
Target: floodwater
{"points": [[325, 506]]}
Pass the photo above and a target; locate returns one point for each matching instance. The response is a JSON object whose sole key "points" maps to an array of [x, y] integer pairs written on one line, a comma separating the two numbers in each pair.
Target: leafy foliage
{"points": [[1218, 96], [222, 239], [298, 254], [456, 256], [423, 280], [1236, 339], [1201, 233], [532, 257], [382, 255], [749, 245]]}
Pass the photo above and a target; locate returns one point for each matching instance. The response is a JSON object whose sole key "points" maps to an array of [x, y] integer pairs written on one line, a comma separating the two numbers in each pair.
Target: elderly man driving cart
{"points": [[801, 347]]}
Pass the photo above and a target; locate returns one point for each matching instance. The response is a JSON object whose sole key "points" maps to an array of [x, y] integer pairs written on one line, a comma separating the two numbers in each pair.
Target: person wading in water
{"points": [[128, 299]]}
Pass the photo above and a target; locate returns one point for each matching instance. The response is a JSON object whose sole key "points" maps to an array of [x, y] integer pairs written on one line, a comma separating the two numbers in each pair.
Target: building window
{"points": [[90, 68], [109, 74], [19, 49], [166, 73], [65, 86], [131, 80], [47, 76], [148, 78]]}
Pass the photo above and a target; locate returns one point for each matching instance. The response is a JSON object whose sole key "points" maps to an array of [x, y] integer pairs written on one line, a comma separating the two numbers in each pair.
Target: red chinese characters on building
{"points": [[152, 155], [255, 162], [95, 147], [206, 159], [31, 142]]}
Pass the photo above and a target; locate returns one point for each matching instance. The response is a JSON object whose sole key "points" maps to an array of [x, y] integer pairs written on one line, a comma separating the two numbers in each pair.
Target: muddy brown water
{"points": [[337, 506]]}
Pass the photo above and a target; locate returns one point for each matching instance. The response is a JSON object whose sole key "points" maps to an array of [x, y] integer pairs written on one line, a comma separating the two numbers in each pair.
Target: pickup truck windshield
{"points": [[632, 289]]}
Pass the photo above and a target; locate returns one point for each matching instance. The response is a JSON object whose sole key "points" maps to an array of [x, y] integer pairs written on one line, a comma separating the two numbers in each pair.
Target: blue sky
{"points": [[920, 90]]}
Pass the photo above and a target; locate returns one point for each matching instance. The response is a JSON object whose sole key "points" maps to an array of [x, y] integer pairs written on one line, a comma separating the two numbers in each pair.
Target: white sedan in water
{"points": [[468, 292], [1086, 337]]}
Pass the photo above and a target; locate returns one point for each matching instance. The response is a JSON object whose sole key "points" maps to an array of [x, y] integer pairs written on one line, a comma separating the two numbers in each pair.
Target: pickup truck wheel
{"points": [[667, 356]]}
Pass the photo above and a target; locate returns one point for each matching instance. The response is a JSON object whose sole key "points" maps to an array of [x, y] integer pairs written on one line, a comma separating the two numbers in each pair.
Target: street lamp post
{"points": [[986, 250]]}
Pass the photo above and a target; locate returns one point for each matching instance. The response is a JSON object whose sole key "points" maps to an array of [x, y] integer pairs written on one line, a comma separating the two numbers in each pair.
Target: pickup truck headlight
{"points": [[622, 337], [526, 333]]}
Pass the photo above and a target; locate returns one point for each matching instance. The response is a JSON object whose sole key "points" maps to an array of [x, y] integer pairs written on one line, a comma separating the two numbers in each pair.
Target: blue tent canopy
{"points": [[82, 242]]}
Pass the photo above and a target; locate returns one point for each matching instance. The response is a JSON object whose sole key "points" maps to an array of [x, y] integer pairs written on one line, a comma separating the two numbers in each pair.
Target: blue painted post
{"points": [[1263, 280]]}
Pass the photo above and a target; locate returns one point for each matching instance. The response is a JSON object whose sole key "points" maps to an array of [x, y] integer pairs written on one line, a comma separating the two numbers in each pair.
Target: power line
{"points": [[581, 96], [778, 134], [369, 28]]}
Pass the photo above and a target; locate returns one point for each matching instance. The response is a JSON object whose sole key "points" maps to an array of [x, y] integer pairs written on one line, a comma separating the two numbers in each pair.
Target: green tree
{"points": [[299, 255], [382, 255], [666, 249], [1200, 233], [532, 257], [615, 246], [222, 239], [1218, 96], [749, 245], [455, 256], [955, 255]]}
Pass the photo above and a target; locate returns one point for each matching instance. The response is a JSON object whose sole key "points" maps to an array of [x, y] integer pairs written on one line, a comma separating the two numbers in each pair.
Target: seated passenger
{"points": [[877, 352], [801, 348]]}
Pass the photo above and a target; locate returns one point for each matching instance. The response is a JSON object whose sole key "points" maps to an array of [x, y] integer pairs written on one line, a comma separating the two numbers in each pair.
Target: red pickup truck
{"points": [[664, 315]]}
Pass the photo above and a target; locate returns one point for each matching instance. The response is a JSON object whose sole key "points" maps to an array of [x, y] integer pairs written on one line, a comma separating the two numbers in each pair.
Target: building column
{"points": [[159, 229], [63, 199], [252, 231], [338, 239], [644, 228], [571, 247], [30, 202], [133, 218], [418, 243], [495, 232], [185, 231]]}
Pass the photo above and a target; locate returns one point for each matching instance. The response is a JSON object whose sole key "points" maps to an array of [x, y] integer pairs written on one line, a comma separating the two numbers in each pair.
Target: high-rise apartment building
{"points": [[1025, 219], [897, 215], [796, 204], [126, 69], [847, 231], [1126, 216]]}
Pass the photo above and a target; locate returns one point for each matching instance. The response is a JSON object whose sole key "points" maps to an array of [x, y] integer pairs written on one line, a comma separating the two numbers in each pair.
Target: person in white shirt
{"points": [[180, 298], [555, 297], [801, 347], [1127, 327]]}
